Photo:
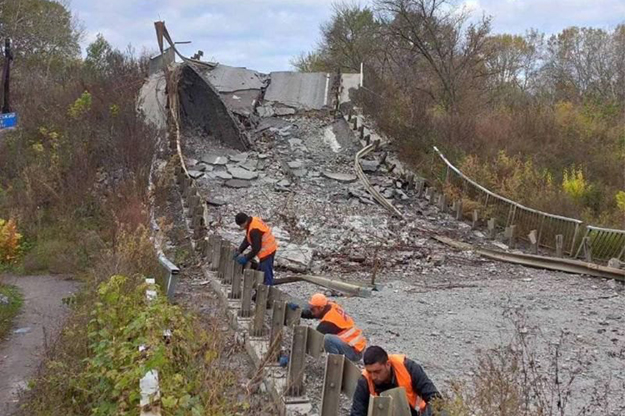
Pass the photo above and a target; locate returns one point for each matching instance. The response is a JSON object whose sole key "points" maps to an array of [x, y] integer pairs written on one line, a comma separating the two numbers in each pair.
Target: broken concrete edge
{"points": [[541, 262]]}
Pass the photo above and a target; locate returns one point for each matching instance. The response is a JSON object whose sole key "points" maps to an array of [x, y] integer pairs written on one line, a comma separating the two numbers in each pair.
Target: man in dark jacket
{"points": [[383, 372], [258, 235]]}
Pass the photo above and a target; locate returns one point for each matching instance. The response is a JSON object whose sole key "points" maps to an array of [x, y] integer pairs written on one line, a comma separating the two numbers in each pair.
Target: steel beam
{"points": [[333, 379], [249, 278], [258, 329], [297, 362]]}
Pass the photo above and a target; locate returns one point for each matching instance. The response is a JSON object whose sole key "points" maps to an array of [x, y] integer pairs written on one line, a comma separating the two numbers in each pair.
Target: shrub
{"points": [[9, 241]]}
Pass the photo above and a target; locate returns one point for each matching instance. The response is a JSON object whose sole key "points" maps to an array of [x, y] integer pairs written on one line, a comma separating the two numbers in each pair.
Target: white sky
{"points": [[266, 34]]}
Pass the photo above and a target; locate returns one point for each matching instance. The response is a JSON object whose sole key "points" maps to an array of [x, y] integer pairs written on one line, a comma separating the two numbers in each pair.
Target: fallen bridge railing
{"points": [[508, 213]]}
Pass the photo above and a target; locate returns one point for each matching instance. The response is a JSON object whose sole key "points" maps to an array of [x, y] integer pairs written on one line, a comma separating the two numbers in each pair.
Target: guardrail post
{"points": [[575, 234], [224, 250], [559, 245], [368, 139], [380, 406], [216, 253], [512, 236], [399, 404], [492, 231], [459, 212], [587, 249], [237, 273], [230, 266], [297, 362], [293, 316], [278, 314], [333, 379], [433, 196], [533, 237], [249, 278], [355, 123], [475, 219], [259, 313], [420, 185], [442, 202], [383, 158]]}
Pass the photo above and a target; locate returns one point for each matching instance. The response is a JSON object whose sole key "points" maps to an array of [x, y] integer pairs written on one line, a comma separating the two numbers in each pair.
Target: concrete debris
{"points": [[341, 177], [195, 174], [237, 183], [369, 165], [24, 330], [4, 300], [301, 90], [220, 175], [294, 257], [616, 263], [239, 157], [216, 202], [250, 164], [215, 160], [297, 164], [240, 173]]}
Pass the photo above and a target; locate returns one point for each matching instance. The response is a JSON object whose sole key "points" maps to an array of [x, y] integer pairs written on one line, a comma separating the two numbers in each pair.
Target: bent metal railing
{"points": [[597, 244], [508, 212]]}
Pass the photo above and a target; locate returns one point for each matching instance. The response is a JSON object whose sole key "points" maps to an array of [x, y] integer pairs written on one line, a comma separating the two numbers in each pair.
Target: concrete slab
{"points": [[229, 78], [238, 183], [341, 177], [305, 91]]}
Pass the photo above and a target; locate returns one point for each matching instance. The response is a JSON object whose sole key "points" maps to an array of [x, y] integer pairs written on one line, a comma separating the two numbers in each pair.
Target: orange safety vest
{"points": [[269, 245], [403, 380], [350, 334]]}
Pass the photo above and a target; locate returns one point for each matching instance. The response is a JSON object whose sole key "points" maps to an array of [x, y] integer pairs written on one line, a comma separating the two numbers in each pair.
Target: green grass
{"points": [[8, 312]]}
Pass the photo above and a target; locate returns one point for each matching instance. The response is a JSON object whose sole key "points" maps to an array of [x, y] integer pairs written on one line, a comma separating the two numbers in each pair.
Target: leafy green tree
{"points": [[44, 33]]}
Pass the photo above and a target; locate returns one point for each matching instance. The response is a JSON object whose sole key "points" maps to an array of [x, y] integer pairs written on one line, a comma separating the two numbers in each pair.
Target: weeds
{"points": [[515, 379], [10, 304]]}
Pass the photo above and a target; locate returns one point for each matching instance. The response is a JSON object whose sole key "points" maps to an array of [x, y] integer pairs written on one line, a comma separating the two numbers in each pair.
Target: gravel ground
{"points": [[437, 305]]}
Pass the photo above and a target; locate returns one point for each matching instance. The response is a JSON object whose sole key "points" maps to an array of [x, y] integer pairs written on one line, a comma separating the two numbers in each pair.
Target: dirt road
{"points": [[38, 323]]}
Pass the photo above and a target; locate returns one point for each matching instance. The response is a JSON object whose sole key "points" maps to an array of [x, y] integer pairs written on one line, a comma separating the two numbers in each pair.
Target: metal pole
{"points": [[6, 76]]}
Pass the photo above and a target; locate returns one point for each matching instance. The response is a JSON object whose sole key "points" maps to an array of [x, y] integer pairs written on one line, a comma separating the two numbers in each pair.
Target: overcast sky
{"points": [[266, 34]]}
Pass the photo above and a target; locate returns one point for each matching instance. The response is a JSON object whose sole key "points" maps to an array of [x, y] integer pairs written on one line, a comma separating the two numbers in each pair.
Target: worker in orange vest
{"points": [[264, 245], [384, 372], [341, 335]]}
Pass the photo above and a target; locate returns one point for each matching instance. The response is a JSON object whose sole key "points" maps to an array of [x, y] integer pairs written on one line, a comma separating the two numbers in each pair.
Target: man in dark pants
{"points": [[264, 245], [383, 372]]}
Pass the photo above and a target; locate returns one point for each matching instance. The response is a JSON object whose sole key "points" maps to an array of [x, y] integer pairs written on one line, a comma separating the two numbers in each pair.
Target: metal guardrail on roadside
{"points": [[597, 244], [171, 279]]}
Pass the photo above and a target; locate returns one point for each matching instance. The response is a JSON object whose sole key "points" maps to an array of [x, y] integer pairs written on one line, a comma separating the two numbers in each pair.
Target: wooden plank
{"points": [[399, 404], [314, 343], [297, 362], [258, 328], [331, 393]]}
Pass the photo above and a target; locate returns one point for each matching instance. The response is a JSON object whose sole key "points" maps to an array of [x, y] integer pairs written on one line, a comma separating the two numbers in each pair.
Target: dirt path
{"points": [[40, 320]]}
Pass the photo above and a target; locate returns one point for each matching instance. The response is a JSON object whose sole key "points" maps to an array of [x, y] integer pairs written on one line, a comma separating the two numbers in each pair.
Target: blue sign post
{"points": [[8, 121]]}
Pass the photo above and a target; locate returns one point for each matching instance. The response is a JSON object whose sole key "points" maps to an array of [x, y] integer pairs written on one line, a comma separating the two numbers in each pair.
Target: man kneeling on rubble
{"points": [[341, 335], [384, 372]]}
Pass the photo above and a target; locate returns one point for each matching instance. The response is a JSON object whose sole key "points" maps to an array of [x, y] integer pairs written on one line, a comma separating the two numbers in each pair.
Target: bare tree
{"points": [[438, 37]]}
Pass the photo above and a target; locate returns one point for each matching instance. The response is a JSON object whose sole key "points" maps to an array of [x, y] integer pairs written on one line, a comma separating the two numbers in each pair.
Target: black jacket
{"points": [[420, 383], [257, 239]]}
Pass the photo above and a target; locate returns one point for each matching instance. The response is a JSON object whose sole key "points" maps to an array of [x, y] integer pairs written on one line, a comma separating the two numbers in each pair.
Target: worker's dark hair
{"points": [[375, 355], [241, 218]]}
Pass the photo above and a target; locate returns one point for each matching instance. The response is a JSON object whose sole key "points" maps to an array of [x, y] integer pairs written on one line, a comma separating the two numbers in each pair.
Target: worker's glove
{"points": [[292, 306], [242, 260], [284, 361]]}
